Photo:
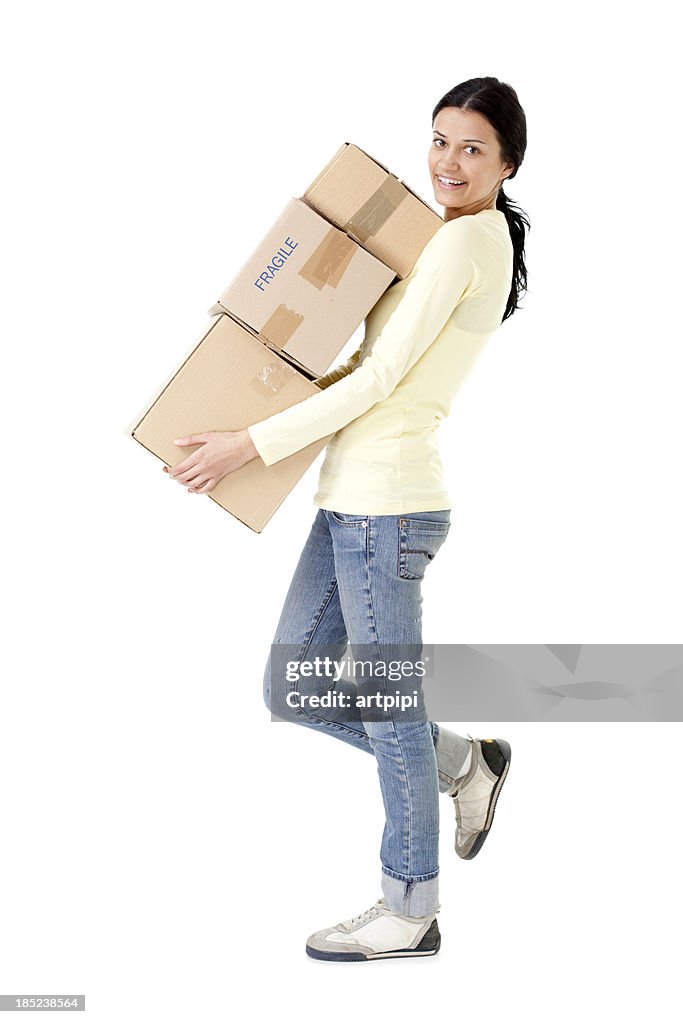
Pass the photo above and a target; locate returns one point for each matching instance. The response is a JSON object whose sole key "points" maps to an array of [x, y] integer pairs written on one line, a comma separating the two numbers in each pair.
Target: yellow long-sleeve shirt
{"points": [[385, 403]]}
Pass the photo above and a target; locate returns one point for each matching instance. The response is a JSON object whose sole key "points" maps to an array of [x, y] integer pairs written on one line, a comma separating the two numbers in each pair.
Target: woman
{"points": [[383, 513]]}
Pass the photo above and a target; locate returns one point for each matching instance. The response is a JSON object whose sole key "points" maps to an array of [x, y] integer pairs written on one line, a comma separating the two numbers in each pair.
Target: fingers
{"points": [[186, 469], [186, 477], [192, 439], [189, 472], [203, 488], [193, 479]]}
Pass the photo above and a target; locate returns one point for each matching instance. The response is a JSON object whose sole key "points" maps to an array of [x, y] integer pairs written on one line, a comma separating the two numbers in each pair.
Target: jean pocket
{"points": [[349, 519], [418, 542]]}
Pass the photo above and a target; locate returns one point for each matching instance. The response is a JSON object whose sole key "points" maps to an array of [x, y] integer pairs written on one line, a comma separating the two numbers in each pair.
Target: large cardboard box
{"points": [[305, 288], [369, 203], [228, 381]]}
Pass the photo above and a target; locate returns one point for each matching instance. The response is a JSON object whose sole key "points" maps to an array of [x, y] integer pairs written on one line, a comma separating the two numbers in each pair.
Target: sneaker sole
{"points": [[320, 954], [428, 946], [481, 838]]}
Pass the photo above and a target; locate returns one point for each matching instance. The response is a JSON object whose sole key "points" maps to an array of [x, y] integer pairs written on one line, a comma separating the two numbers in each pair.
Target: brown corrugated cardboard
{"points": [[306, 288], [363, 198], [229, 380]]}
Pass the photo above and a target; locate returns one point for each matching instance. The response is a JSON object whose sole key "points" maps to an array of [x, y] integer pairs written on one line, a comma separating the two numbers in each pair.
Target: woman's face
{"points": [[465, 148]]}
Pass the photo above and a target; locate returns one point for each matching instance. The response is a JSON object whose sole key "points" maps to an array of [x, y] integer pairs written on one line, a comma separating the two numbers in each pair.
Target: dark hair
{"points": [[498, 103]]}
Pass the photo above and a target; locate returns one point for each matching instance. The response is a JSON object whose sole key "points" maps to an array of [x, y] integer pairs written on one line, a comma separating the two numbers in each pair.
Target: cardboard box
{"points": [[228, 381], [369, 203], [305, 288]]}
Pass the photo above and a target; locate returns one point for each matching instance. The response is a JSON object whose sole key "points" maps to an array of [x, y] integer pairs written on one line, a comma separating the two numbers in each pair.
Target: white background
{"points": [[165, 848]]}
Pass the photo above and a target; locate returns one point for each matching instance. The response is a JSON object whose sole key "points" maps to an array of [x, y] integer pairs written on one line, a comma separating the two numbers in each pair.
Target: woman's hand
{"points": [[220, 452]]}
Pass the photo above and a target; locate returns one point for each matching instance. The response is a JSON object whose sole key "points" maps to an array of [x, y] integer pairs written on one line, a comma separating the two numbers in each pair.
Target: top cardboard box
{"points": [[363, 198]]}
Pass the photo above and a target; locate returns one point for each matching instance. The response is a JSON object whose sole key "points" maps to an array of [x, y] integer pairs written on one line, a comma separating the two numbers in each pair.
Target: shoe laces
{"points": [[364, 916]]}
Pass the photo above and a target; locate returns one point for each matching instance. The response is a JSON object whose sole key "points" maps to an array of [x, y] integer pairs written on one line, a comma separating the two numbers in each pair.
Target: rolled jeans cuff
{"points": [[409, 898]]}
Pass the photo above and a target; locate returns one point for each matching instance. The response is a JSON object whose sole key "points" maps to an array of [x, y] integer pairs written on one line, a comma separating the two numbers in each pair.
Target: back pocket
{"points": [[418, 542]]}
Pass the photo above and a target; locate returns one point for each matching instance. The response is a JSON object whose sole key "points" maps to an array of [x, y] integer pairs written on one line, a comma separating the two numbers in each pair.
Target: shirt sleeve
{"points": [[448, 267]]}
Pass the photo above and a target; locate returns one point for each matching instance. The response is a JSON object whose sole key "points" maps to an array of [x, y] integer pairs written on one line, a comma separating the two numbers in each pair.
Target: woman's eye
{"points": [[475, 148]]}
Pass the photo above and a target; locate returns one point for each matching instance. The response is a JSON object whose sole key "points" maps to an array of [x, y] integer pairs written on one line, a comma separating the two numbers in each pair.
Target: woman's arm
{"points": [[450, 264]]}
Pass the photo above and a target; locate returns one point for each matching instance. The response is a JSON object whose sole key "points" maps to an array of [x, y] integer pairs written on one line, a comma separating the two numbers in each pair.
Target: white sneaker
{"points": [[475, 794], [376, 934]]}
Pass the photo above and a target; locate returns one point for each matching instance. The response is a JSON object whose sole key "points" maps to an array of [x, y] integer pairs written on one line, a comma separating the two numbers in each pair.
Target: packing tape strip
{"points": [[281, 325], [278, 328], [272, 377], [329, 261], [376, 211]]}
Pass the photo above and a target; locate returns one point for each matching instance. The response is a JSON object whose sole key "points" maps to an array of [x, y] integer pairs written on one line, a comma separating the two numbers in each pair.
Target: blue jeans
{"points": [[358, 581]]}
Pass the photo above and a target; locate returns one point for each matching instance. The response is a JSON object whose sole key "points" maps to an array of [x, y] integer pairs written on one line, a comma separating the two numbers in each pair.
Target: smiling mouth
{"points": [[448, 184]]}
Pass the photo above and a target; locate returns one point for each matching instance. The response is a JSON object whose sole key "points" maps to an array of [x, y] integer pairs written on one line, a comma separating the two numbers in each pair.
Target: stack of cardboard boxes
{"points": [[285, 316]]}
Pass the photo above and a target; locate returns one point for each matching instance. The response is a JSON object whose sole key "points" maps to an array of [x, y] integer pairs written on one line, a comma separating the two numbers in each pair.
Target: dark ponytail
{"points": [[498, 103]]}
